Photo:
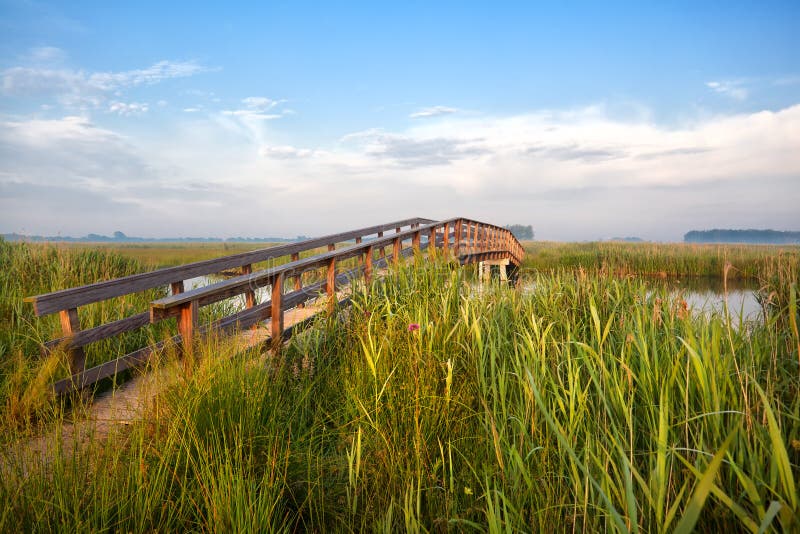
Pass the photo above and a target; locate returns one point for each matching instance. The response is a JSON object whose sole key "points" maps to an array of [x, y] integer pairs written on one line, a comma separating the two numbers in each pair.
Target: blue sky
{"points": [[585, 120]]}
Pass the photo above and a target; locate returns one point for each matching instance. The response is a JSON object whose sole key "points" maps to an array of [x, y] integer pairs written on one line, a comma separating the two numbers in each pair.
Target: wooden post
{"points": [[382, 251], [298, 282], [176, 287], [249, 295], [396, 247], [276, 323], [432, 242], [330, 285], [415, 242], [331, 247], [368, 266], [70, 324], [446, 244], [187, 323]]}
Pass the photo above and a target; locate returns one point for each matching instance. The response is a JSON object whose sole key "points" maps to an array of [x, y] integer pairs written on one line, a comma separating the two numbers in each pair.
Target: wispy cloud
{"points": [[158, 72], [734, 89], [128, 108], [435, 111], [257, 108], [45, 54], [78, 88], [285, 152]]}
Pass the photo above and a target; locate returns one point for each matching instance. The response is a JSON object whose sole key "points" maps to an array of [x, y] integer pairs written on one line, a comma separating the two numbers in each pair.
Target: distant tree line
{"points": [[772, 237], [520, 231], [119, 237]]}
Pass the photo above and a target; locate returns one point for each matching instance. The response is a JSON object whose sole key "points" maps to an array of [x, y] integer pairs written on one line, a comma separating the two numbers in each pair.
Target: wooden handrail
{"points": [[72, 298], [467, 240]]}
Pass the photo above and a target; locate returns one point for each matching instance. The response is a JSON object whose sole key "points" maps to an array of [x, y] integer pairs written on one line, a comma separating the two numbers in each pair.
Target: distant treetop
{"points": [[520, 231], [772, 237]]}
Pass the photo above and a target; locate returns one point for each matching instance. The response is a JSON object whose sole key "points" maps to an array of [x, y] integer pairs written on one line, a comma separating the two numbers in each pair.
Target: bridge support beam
{"points": [[485, 269]]}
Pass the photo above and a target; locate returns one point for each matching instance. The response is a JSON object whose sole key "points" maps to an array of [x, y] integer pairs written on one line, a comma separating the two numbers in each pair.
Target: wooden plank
{"points": [[82, 338], [187, 323], [368, 266], [276, 327], [458, 237], [176, 287], [74, 297], [250, 294], [330, 283], [242, 319], [298, 280], [70, 325], [236, 285]]}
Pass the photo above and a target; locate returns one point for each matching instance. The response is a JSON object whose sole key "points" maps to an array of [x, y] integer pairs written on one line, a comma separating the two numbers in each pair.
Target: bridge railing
{"points": [[468, 240]]}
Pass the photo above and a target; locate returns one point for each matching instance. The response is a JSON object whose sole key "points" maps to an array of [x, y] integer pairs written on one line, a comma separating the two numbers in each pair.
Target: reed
{"points": [[588, 403], [663, 259]]}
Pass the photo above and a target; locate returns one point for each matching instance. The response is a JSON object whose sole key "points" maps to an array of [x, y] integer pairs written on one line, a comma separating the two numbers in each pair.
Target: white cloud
{"points": [[731, 88], [77, 88], [127, 109], [573, 174], [163, 70], [46, 54], [434, 111], [256, 108], [284, 152]]}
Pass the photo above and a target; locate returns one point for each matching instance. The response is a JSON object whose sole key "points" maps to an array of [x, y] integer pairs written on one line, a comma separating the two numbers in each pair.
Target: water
{"points": [[707, 295]]}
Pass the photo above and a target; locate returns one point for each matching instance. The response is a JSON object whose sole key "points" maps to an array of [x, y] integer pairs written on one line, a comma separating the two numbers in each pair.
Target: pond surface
{"points": [[707, 295]]}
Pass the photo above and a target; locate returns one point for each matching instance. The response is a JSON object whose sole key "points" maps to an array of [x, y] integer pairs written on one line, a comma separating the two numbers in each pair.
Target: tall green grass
{"points": [[587, 403], [665, 259], [30, 269]]}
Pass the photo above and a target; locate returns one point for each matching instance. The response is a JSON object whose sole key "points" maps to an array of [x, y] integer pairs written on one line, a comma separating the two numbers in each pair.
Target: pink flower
{"points": [[413, 327]]}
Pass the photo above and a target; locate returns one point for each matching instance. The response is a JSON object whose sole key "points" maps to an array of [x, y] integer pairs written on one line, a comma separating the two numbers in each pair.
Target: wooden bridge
{"points": [[326, 262]]}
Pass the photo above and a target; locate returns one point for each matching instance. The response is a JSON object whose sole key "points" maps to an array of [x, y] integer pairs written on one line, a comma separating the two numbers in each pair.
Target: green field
{"points": [[592, 402]]}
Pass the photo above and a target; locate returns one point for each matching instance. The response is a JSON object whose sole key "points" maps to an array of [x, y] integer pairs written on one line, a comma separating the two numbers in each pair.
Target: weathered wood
{"points": [[250, 294], [330, 283], [187, 322], [79, 296], [487, 242], [165, 307], [368, 266], [298, 279], [276, 326], [70, 325], [82, 338]]}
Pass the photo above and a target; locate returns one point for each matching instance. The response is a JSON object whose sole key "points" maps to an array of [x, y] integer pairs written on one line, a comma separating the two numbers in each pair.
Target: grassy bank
{"points": [[31, 269], [157, 255], [671, 259], [589, 403]]}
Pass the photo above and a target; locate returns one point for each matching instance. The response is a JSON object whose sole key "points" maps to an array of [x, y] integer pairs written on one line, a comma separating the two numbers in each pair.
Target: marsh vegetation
{"points": [[596, 402]]}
